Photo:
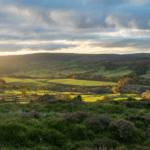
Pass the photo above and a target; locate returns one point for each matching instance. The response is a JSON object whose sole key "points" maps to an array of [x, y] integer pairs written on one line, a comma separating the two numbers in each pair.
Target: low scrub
{"points": [[145, 119], [97, 123], [75, 117], [123, 130], [32, 114], [136, 104]]}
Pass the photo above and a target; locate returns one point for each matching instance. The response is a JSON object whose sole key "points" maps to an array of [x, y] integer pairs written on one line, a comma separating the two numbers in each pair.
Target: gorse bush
{"points": [[32, 114], [136, 104], [75, 117], [145, 120], [13, 133], [97, 123], [105, 142], [148, 132], [53, 137], [77, 132], [123, 130]]}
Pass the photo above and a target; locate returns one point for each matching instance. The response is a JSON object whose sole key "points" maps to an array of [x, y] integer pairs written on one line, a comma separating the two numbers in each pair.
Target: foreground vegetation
{"points": [[75, 125]]}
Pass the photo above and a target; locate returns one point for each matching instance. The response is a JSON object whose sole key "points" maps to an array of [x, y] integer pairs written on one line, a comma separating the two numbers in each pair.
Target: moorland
{"points": [[75, 102]]}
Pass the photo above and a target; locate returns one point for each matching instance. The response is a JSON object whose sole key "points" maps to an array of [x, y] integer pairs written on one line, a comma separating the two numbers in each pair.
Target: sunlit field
{"points": [[81, 82], [26, 82]]}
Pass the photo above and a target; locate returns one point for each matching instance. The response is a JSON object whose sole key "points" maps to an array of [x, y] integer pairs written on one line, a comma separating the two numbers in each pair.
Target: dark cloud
{"points": [[136, 43]]}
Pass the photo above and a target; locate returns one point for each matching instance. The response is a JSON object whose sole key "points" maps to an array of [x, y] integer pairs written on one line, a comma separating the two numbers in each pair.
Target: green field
{"points": [[81, 82], [119, 72], [26, 82]]}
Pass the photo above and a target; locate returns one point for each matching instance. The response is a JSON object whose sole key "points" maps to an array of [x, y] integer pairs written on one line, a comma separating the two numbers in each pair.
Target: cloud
{"points": [[118, 22], [32, 47], [135, 43]]}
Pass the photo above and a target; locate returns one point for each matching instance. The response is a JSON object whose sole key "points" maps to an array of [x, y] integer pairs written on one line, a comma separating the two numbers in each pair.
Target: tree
{"points": [[140, 70], [23, 92], [115, 89]]}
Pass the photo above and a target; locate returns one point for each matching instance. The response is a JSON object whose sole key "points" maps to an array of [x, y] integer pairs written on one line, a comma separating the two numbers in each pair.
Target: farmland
{"points": [[81, 82]]}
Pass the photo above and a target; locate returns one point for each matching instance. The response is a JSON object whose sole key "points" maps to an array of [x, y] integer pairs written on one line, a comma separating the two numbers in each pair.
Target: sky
{"points": [[74, 26]]}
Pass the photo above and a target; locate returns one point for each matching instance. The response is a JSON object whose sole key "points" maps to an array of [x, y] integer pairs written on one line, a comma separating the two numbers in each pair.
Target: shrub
{"points": [[106, 98], [74, 89], [75, 117], [35, 135], [53, 137], [132, 118], [146, 95], [105, 142], [131, 99], [66, 97], [97, 123], [78, 97], [33, 94], [14, 134], [33, 114], [45, 97], [81, 144], [77, 132], [123, 130], [147, 143], [23, 92], [138, 147], [136, 104], [115, 89], [148, 132]]}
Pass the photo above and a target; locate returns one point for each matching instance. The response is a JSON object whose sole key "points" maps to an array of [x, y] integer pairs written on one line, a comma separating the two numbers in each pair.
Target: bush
{"points": [[148, 132], [66, 97], [146, 95], [131, 99], [14, 134], [106, 98], [35, 135], [33, 114], [33, 94], [45, 97], [97, 123], [132, 118], [81, 144], [136, 104], [105, 142], [75, 117], [138, 147], [23, 92], [53, 137], [123, 130], [115, 89], [77, 132], [78, 97]]}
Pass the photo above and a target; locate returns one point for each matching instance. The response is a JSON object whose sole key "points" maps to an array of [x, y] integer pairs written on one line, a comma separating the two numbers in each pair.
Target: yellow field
{"points": [[81, 82]]}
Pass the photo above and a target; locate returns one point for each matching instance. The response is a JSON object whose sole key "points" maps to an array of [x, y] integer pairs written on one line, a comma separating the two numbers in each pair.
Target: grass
{"points": [[119, 72], [26, 82], [81, 82], [51, 72]]}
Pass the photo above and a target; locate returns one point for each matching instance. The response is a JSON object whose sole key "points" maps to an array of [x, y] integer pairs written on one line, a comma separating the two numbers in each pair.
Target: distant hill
{"points": [[15, 63]]}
